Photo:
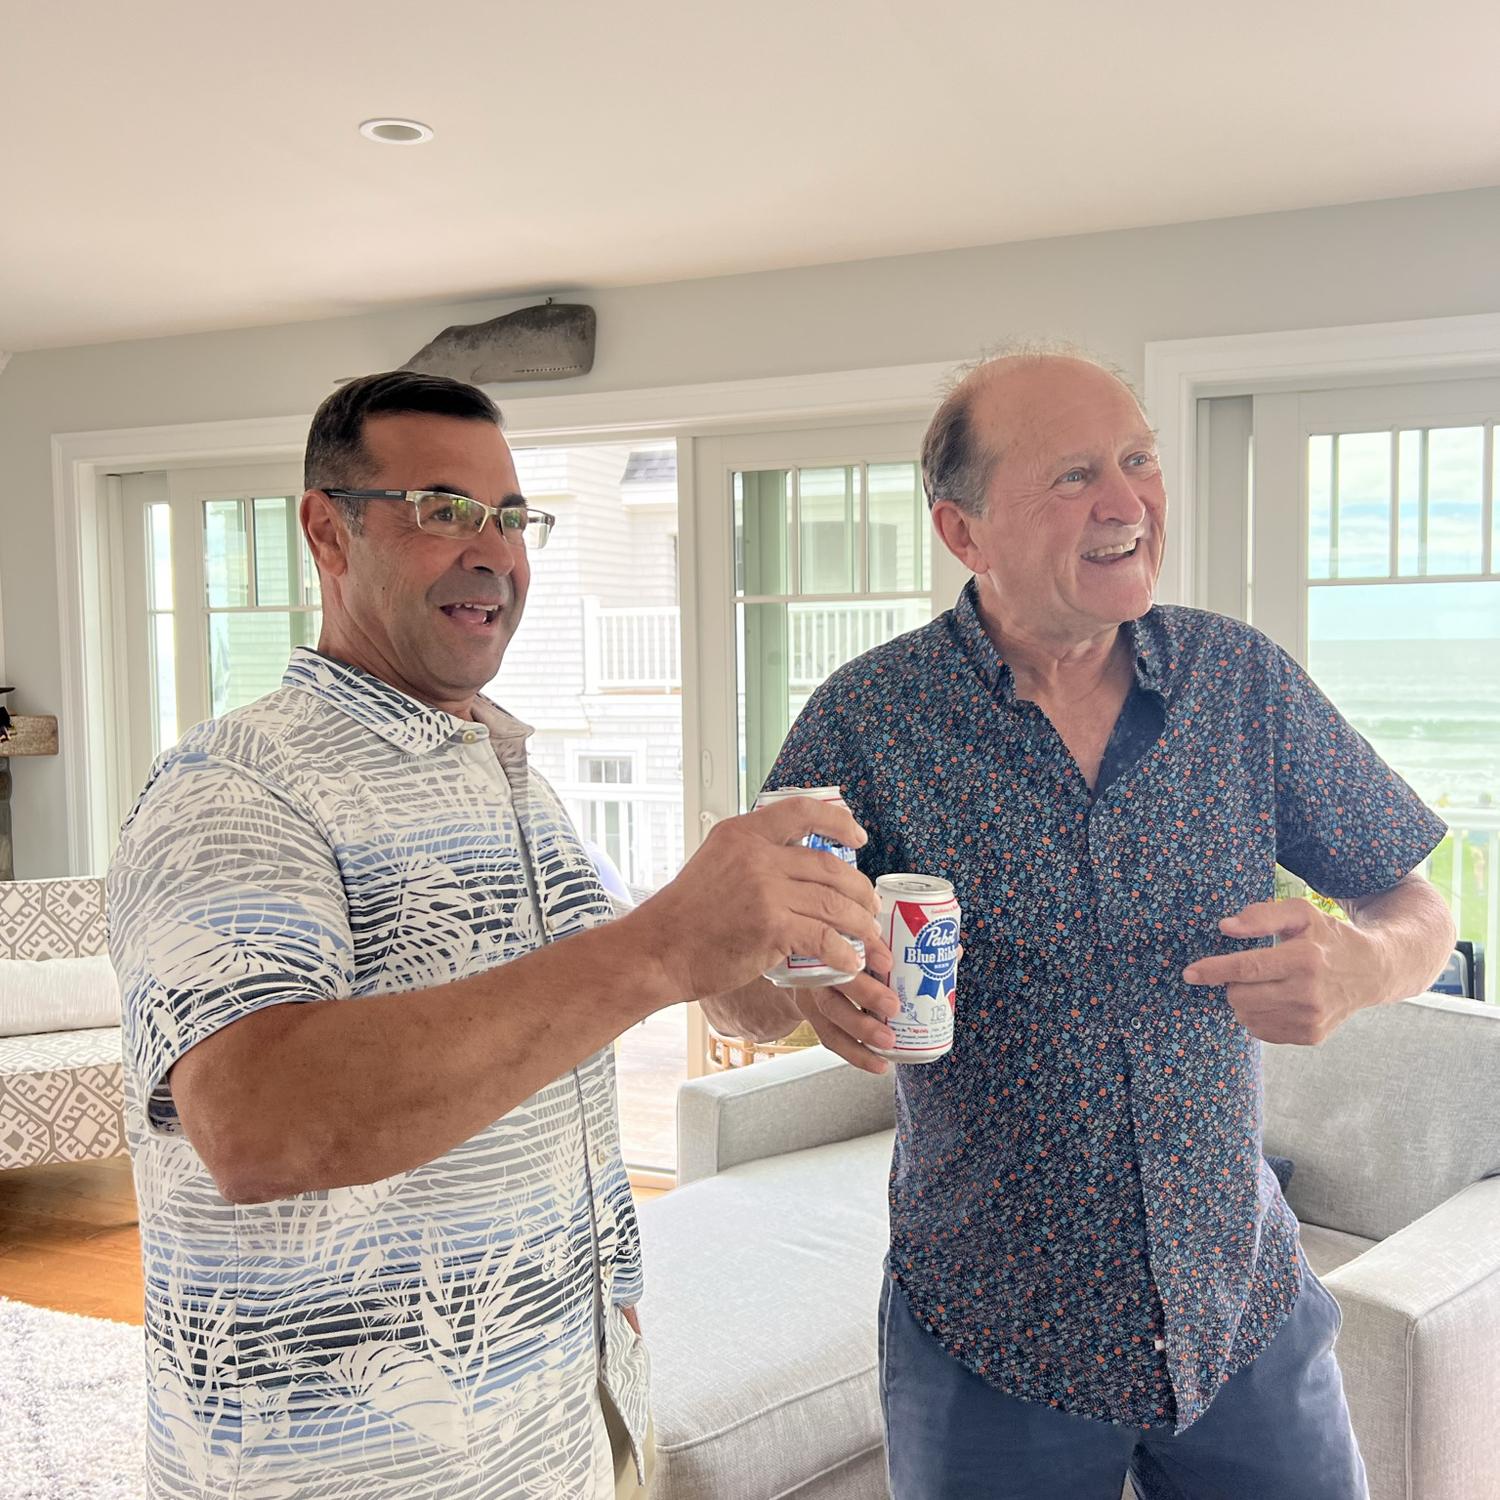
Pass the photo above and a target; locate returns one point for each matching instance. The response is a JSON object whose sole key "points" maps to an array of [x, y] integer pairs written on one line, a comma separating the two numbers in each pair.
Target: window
{"points": [[218, 587], [263, 595], [1374, 535], [596, 668], [608, 822], [830, 561]]}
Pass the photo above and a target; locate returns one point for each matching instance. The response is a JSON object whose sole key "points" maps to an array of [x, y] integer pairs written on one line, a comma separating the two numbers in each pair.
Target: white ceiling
{"points": [[171, 165]]}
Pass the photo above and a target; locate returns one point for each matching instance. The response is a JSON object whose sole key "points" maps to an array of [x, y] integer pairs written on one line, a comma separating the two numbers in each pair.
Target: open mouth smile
{"points": [[1112, 554], [472, 614]]}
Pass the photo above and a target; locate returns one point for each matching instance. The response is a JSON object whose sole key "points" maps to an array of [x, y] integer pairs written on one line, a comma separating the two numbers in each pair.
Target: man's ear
{"points": [[327, 531], [955, 526]]}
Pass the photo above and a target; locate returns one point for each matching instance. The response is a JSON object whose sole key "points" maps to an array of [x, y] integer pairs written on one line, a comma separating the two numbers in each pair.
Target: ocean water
{"points": [[1431, 709]]}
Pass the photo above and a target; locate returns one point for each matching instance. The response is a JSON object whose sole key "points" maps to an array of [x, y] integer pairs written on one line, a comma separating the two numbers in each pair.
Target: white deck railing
{"points": [[631, 650], [825, 636], [636, 650]]}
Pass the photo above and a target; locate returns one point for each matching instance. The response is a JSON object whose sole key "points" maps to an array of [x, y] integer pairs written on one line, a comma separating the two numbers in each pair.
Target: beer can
{"points": [[919, 920], [796, 970]]}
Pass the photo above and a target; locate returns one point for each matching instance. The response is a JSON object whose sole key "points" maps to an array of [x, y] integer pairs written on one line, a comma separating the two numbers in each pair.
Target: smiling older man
{"points": [[370, 989], [1090, 1268]]}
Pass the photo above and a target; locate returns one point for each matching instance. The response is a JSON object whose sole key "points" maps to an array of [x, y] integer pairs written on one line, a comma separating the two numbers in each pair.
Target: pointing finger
{"points": [[1269, 919], [1256, 966]]}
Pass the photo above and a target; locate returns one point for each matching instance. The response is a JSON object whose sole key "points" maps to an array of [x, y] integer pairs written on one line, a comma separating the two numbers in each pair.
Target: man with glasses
{"points": [[371, 987]]}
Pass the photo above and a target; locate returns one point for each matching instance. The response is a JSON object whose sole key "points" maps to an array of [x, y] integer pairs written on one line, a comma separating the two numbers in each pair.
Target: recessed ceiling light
{"points": [[393, 132]]}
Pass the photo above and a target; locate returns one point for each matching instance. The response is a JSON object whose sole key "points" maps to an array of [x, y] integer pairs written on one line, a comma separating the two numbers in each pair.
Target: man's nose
{"points": [[489, 551], [1116, 500]]}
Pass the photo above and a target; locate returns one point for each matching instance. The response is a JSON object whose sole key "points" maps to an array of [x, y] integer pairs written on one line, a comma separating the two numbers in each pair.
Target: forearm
{"points": [[1413, 931], [760, 1010], [337, 1092]]}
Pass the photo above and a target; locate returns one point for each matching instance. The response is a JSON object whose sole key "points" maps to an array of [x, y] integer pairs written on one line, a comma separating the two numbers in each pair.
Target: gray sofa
{"points": [[763, 1268], [62, 1093]]}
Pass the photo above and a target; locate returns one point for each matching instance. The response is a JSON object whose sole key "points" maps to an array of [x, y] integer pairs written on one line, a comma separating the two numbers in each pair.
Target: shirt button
{"points": [[1158, 1344], [470, 735]]}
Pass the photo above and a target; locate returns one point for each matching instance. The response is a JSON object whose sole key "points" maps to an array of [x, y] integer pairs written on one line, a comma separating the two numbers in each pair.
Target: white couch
{"points": [[763, 1268], [62, 1093]]}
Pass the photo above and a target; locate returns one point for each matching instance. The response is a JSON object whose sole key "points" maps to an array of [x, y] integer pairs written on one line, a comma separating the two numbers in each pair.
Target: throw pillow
{"points": [[57, 994], [1283, 1167]]}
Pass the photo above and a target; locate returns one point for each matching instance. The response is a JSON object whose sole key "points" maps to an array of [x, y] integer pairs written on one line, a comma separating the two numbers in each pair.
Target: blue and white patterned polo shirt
{"points": [[1079, 1211], [435, 1335]]}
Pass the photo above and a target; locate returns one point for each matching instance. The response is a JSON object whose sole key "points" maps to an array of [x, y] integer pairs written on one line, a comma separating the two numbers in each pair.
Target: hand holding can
{"points": [[799, 970]]}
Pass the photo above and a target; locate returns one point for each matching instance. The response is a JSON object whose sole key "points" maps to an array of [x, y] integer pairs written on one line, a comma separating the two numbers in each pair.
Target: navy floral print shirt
{"points": [[1079, 1209]]}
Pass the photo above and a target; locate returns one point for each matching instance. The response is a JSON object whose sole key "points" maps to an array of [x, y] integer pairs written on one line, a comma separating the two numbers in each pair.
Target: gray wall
{"points": [[1362, 263]]}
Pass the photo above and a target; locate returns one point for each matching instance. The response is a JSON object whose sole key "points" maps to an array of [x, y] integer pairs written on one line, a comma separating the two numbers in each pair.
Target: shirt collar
{"points": [[404, 722], [1148, 636]]}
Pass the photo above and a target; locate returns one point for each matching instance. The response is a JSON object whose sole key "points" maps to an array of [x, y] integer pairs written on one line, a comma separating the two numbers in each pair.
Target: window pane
{"points": [[828, 501], [1455, 499], [248, 653], [1319, 505], [785, 650], [899, 529], [226, 554], [1416, 669], [1362, 510], [159, 557], [163, 638], [274, 549], [761, 522], [613, 770]]}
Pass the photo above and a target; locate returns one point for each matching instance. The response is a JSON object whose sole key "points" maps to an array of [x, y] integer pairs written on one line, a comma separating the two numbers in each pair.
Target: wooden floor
{"points": [[68, 1239]]}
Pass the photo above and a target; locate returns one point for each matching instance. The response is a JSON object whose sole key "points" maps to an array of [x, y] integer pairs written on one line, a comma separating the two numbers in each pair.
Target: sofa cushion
{"points": [[38, 996], [1395, 1113], [1328, 1249], [761, 1290], [62, 1097], [52, 918]]}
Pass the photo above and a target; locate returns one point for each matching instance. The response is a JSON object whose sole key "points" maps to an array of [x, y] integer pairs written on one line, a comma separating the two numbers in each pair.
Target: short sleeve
{"points": [[817, 751], [223, 899], [1346, 823]]}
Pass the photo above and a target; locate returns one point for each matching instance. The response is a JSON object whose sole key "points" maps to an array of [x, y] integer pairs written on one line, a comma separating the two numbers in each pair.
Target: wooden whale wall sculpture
{"points": [[552, 341]]}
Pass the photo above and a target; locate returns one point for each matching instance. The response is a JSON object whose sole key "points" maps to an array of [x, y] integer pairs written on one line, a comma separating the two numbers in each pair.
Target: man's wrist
{"points": [[644, 959], [1377, 966]]}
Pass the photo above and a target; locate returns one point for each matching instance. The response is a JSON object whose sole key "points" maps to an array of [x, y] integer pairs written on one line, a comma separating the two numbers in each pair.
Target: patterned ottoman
{"points": [[61, 1093]]}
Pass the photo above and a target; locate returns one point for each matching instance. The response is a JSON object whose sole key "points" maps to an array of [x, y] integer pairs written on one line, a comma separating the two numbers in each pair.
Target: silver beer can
{"points": [[796, 970], [919, 920]]}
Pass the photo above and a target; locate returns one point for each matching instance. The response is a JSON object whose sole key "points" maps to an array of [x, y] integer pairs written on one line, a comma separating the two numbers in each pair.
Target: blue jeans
{"points": [[1279, 1427]]}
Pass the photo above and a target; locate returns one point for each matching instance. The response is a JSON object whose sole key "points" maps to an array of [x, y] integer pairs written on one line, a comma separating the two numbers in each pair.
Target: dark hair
{"points": [[336, 453], [954, 464]]}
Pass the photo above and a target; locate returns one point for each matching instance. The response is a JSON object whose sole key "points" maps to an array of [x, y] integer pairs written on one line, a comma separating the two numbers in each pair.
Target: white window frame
{"points": [[716, 460], [1180, 371]]}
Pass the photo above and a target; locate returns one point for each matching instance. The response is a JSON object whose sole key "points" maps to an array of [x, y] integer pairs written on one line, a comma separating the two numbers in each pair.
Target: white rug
{"points": [[72, 1406]]}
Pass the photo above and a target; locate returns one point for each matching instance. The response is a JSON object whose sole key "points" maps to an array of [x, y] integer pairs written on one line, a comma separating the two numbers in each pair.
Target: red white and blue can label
{"points": [[919, 919]]}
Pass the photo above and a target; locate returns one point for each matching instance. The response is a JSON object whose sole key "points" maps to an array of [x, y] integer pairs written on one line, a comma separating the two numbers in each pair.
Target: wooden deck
{"points": [[650, 1063]]}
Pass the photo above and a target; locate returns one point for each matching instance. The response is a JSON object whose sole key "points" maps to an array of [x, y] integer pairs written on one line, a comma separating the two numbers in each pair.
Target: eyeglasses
{"points": [[460, 516]]}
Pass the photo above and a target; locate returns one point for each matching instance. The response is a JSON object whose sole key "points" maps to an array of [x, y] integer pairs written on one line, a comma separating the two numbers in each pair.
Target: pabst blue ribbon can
{"points": [[798, 971], [919, 920]]}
